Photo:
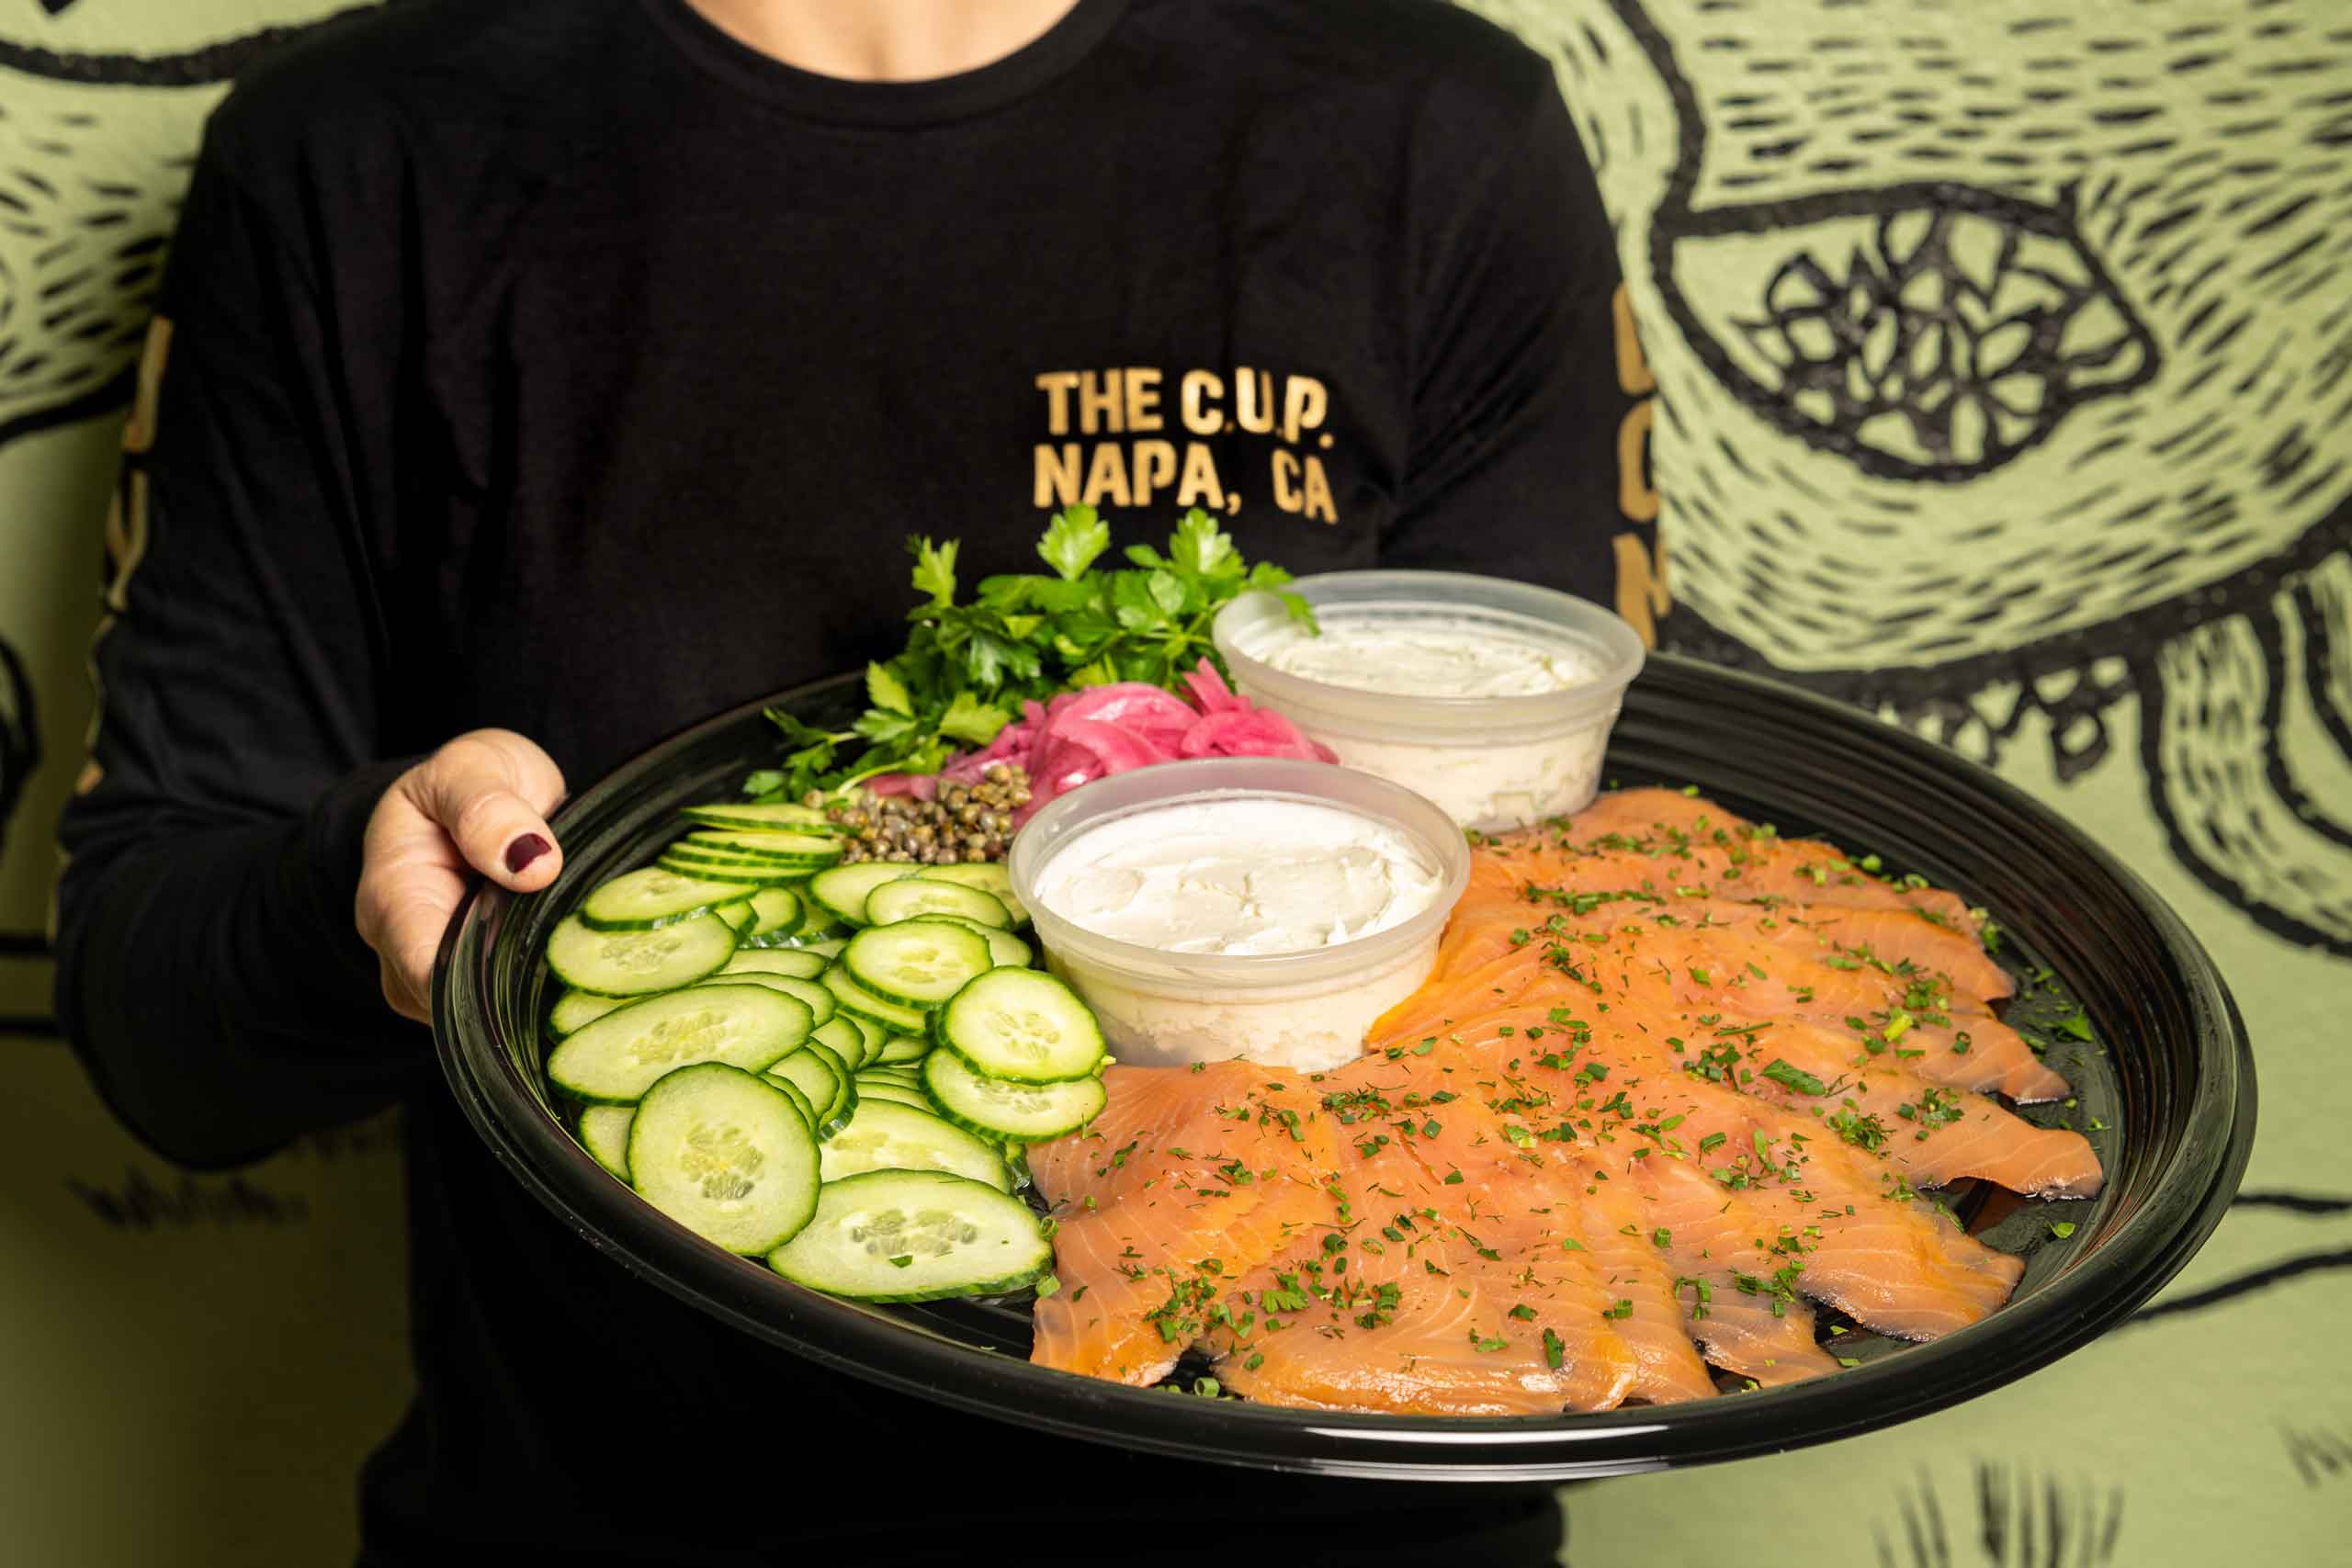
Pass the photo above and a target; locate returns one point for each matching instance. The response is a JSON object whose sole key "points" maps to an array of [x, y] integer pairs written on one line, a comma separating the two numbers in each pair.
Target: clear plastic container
{"points": [[1493, 762], [1307, 1009]]}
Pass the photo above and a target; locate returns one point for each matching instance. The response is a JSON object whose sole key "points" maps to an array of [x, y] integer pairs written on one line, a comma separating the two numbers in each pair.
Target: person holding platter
{"points": [[536, 377]]}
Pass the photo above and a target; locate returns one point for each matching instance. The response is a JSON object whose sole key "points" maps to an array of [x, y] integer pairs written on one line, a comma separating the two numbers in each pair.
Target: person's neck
{"points": [[885, 40]]}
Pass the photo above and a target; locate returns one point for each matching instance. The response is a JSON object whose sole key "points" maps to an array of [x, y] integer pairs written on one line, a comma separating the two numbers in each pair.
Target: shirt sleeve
{"points": [[1515, 402], [209, 970]]}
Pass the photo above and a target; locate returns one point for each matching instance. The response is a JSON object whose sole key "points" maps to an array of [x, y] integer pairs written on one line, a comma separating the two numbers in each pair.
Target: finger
{"points": [[414, 883], [490, 791]]}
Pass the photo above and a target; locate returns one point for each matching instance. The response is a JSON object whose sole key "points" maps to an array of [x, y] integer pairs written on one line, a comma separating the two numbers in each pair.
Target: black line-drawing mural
{"points": [[96, 145], [2011, 1519], [20, 734], [2003, 366], [2005, 361]]}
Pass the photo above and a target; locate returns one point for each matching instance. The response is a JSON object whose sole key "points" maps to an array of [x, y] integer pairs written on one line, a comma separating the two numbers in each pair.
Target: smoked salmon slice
{"points": [[1676, 1085]]}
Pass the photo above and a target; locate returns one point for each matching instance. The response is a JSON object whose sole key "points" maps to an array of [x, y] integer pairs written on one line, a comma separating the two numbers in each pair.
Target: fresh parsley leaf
{"points": [[1073, 539], [1202, 547], [934, 575], [971, 720], [887, 691]]}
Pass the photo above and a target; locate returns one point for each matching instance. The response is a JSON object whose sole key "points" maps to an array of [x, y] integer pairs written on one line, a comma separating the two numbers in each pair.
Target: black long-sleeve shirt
{"points": [[564, 366]]}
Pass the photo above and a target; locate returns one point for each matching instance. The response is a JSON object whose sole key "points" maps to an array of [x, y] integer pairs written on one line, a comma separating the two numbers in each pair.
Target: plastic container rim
{"points": [[1540, 614]]}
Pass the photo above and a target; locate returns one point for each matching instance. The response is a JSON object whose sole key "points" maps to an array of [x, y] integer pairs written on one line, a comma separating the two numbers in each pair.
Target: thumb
{"points": [[490, 791]]}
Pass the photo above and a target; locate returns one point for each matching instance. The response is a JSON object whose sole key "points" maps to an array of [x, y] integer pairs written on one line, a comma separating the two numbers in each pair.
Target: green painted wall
{"points": [[1996, 362]]}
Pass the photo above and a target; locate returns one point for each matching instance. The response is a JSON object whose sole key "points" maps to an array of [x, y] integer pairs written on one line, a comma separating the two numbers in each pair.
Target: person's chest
{"points": [[694, 421]]}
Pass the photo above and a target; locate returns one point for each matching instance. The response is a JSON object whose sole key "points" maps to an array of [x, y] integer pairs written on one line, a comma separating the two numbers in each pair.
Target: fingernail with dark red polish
{"points": [[525, 850]]}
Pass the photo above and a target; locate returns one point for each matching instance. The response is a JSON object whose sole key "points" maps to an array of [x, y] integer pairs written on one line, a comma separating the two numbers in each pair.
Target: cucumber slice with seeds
{"points": [[603, 1132], [1027, 1113], [917, 966], [621, 1056], [1022, 1025], [638, 962], [1008, 951], [651, 897], [889, 1017], [990, 876], [575, 1008], [885, 1136], [727, 1154], [772, 817], [844, 888], [911, 895], [915, 1237]]}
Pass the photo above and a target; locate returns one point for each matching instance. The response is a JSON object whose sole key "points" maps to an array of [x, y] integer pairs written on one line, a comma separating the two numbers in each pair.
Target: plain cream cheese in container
{"points": [[1492, 699], [1244, 875], [1257, 906], [1430, 659]]}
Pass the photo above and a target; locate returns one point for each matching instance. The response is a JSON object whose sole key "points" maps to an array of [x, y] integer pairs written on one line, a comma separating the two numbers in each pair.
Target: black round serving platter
{"points": [[2163, 1084]]}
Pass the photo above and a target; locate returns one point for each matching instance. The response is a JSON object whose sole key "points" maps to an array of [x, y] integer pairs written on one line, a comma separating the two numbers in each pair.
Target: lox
{"points": [[1625, 1132]]}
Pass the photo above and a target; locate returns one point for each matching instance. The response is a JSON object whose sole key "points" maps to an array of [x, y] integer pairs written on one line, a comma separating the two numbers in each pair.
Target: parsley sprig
{"points": [[1023, 637]]}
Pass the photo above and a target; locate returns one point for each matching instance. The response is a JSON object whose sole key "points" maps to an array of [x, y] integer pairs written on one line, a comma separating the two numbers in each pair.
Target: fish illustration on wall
{"points": [[2003, 358]]}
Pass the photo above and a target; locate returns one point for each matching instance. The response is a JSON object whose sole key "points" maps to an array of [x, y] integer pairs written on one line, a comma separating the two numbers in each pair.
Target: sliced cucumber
{"points": [[917, 966], [990, 876], [726, 1154], [844, 888], [1022, 1025], [778, 916], [915, 1237], [777, 961], [813, 850], [821, 1004], [883, 1136], [1027, 1113], [800, 1101], [642, 900], [827, 943], [842, 1037], [889, 1017], [635, 963], [827, 1044], [896, 1094], [620, 1056], [769, 816], [751, 873], [903, 1048], [738, 915], [575, 1008], [1009, 951], [603, 1132], [910, 1077], [817, 1073], [911, 895]]}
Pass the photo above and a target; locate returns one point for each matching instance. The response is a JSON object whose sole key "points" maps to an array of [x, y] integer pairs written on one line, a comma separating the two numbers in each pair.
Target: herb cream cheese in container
{"points": [[1250, 907], [1492, 699]]}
